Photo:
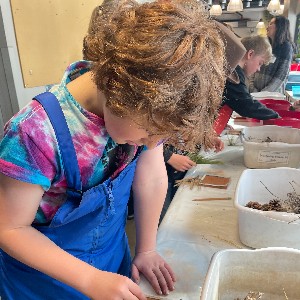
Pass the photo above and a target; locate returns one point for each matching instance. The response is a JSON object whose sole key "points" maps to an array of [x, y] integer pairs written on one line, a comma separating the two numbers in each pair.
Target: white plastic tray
{"points": [[234, 273], [258, 229], [282, 151]]}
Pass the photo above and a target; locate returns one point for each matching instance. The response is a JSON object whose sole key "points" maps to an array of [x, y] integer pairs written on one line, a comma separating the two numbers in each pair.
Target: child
{"points": [[67, 162], [177, 161], [236, 95]]}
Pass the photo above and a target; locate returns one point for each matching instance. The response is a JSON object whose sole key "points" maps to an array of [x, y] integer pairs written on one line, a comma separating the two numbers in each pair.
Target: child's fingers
{"points": [[135, 274]]}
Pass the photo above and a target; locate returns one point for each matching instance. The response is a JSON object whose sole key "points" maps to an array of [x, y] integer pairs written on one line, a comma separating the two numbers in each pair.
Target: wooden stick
{"points": [[212, 199]]}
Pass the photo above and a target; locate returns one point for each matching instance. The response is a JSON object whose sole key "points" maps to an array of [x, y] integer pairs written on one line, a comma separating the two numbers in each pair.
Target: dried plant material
{"points": [[286, 297], [190, 182], [252, 296], [234, 136], [272, 205], [199, 159], [212, 199], [291, 204], [213, 181], [233, 140]]}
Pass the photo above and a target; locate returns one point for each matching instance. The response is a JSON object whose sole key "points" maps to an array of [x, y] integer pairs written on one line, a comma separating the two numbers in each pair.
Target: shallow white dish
{"points": [[233, 273], [283, 150], [258, 229]]}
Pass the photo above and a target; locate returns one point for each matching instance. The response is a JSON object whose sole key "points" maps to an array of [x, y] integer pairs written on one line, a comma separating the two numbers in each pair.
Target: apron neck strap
{"points": [[65, 143]]}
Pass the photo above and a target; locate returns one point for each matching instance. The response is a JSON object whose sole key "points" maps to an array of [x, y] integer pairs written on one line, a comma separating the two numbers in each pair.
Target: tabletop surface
{"points": [[192, 231]]}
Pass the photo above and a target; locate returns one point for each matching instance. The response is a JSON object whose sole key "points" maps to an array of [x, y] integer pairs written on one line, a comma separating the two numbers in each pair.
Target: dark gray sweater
{"points": [[272, 77]]}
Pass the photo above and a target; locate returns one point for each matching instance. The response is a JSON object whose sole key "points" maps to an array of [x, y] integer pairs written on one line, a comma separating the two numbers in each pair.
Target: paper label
{"points": [[271, 157]]}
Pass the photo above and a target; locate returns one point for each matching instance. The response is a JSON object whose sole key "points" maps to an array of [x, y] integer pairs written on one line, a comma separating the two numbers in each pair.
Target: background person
{"points": [[236, 95], [272, 77]]}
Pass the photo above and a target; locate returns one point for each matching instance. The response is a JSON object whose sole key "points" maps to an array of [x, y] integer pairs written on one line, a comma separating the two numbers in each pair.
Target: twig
{"points": [[269, 191], [212, 199], [286, 297]]}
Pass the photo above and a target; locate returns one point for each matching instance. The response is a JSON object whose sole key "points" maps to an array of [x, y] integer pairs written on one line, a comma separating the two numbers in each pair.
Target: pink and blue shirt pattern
{"points": [[29, 150]]}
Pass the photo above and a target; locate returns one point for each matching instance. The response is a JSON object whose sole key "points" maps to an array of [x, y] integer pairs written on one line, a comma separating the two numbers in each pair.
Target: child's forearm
{"points": [[29, 246]]}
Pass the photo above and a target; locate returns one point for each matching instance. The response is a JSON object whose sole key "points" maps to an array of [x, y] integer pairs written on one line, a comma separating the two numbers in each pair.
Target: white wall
{"points": [[291, 14], [23, 95]]}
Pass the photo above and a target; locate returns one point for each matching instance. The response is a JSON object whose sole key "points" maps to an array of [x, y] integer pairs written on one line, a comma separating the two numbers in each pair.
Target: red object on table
{"points": [[289, 114], [221, 121], [295, 67], [285, 122], [276, 104]]}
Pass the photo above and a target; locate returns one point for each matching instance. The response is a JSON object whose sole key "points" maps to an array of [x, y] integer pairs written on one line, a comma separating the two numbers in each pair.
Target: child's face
{"points": [[253, 63], [125, 131]]}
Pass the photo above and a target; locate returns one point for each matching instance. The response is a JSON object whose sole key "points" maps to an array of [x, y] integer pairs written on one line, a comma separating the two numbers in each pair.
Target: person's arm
{"points": [[19, 202], [149, 190], [239, 99]]}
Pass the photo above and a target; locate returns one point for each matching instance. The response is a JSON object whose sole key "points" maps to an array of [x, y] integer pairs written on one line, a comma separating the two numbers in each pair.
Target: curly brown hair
{"points": [[160, 62]]}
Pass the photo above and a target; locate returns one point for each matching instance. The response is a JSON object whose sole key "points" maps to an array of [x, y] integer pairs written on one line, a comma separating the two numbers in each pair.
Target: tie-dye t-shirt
{"points": [[29, 151]]}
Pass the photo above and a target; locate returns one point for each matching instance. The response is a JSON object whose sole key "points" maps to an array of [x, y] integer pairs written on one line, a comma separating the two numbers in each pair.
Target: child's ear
{"points": [[250, 53]]}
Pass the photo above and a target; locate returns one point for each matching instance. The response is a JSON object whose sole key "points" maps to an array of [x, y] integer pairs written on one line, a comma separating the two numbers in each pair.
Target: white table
{"points": [[192, 231]]}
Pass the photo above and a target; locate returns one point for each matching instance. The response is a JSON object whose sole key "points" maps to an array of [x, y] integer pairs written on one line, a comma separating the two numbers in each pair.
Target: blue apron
{"points": [[89, 225]]}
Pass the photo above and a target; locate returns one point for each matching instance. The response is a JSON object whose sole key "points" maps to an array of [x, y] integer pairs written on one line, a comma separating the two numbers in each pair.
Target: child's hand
{"points": [[181, 162], [218, 144], [156, 271], [109, 286]]}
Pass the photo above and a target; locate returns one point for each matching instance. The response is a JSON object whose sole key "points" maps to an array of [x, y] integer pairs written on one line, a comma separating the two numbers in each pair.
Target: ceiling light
{"points": [[277, 12], [273, 5], [215, 10], [235, 5], [260, 24]]}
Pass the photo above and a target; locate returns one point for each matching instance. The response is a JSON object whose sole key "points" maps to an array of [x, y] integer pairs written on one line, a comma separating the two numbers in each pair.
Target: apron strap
{"points": [[65, 143]]}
